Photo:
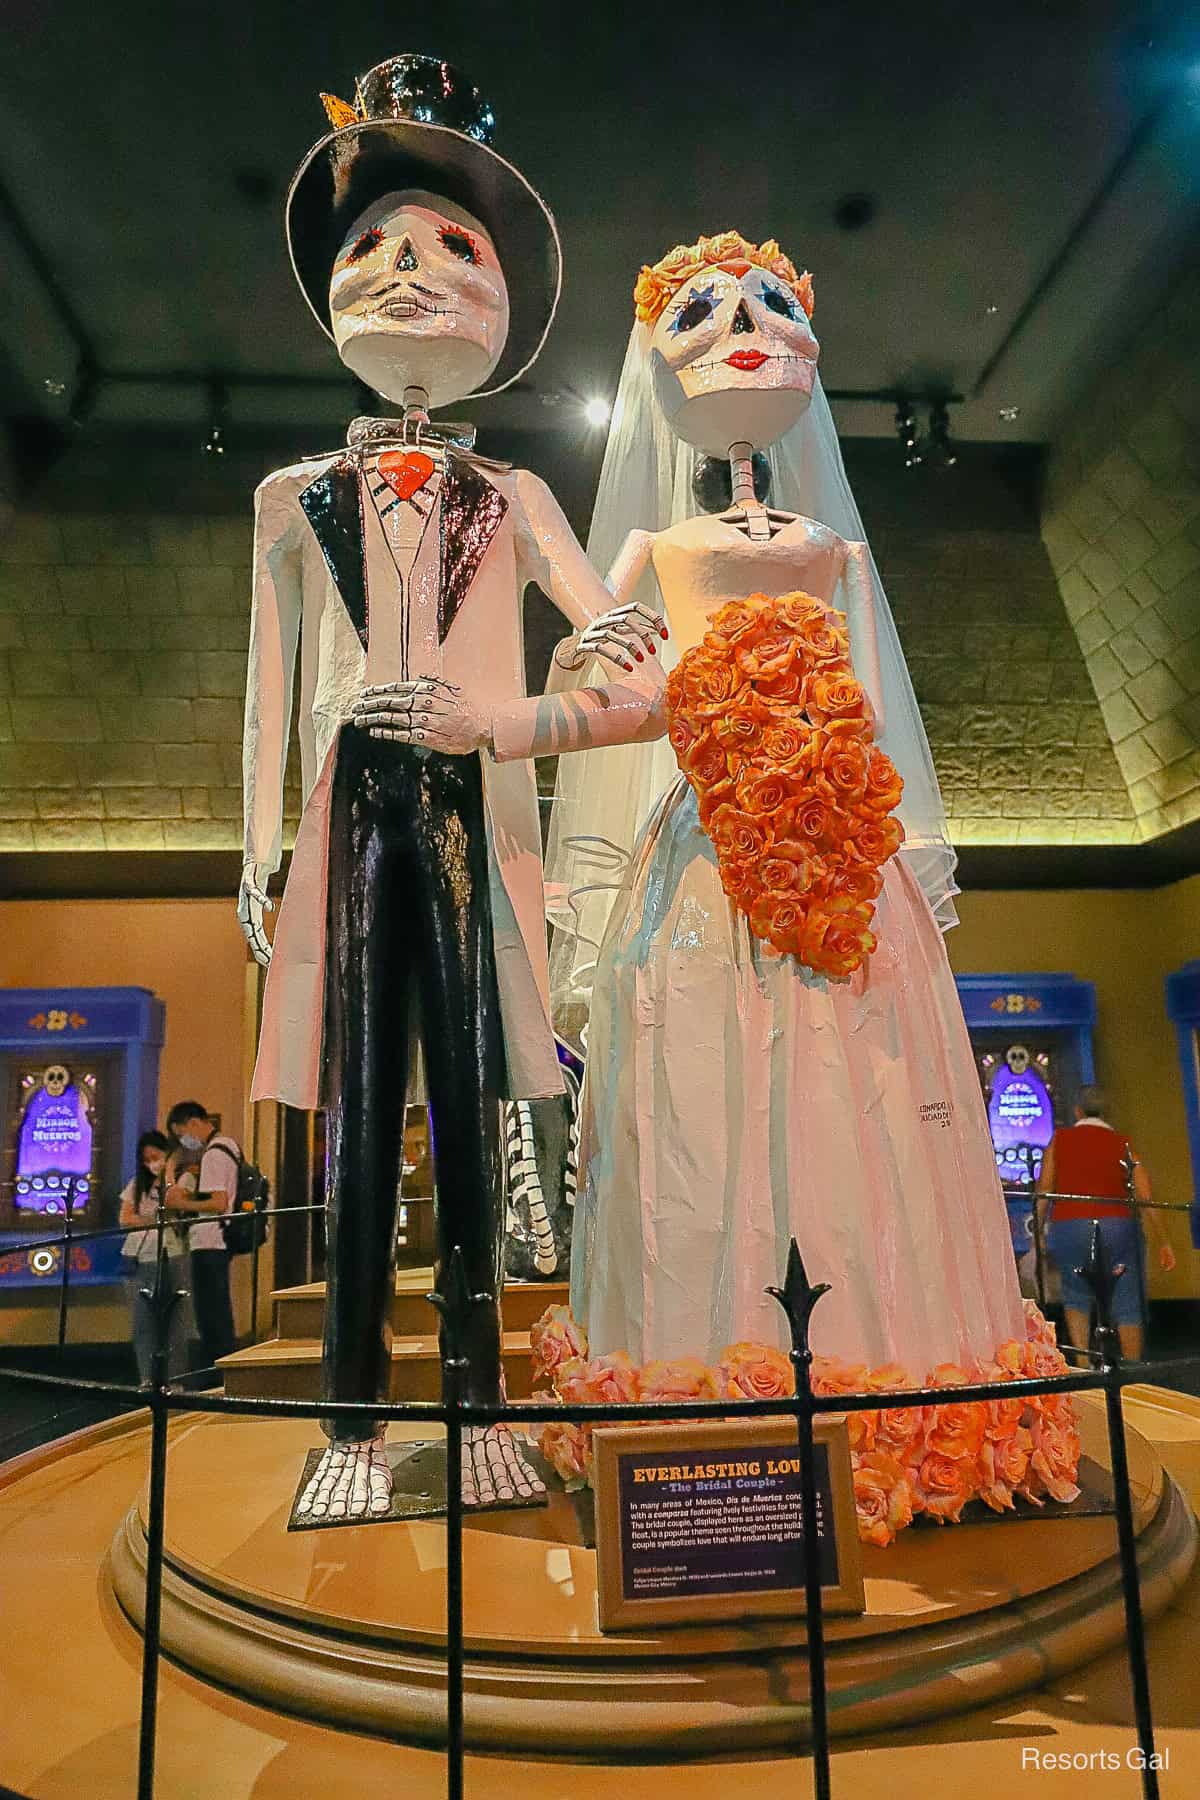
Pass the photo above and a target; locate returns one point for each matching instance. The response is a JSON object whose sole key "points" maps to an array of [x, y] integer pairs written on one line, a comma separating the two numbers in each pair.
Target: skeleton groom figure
{"points": [[393, 572]]}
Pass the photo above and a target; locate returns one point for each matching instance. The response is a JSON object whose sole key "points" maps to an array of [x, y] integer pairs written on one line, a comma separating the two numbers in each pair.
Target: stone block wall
{"points": [[123, 670], [1121, 524], [124, 609], [1018, 739]]}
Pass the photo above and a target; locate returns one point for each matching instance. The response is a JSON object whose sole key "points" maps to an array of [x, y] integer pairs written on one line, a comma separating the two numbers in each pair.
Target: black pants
{"points": [[410, 927], [211, 1304]]}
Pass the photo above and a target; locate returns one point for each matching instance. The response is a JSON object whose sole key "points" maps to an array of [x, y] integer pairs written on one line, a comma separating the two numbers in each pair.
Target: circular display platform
{"points": [[348, 1625]]}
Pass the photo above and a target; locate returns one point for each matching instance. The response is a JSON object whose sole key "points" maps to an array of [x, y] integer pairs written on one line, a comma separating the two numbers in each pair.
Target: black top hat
{"points": [[418, 122]]}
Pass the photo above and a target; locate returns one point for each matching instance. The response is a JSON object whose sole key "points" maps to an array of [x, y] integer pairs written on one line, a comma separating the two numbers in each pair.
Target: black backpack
{"points": [[249, 1226]]}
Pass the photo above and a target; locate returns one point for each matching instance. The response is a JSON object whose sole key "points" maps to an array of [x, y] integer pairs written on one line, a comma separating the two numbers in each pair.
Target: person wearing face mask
{"points": [[140, 1200], [203, 1175]]}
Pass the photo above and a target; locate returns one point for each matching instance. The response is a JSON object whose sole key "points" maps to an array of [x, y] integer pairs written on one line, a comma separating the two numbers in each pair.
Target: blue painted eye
{"points": [[693, 312], [778, 300]]}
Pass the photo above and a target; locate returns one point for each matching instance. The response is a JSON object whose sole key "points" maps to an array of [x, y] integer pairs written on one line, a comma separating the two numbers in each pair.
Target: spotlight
{"points": [[941, 455], [906, 431], [597, 411], [218, 413]]}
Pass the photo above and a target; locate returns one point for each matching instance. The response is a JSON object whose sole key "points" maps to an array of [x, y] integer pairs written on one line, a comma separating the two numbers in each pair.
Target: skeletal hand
{"points": [[253, 902], [426, 711], [494, 1471], [351, 1481], [623, 633]]}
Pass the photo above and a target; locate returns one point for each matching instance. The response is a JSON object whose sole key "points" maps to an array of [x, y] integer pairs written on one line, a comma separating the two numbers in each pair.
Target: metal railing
{"points": [[1104, 1372]]}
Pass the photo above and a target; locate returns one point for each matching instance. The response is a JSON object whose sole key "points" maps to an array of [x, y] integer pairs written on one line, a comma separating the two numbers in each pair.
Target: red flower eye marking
{"points": [[370, 240], [460, 243]]}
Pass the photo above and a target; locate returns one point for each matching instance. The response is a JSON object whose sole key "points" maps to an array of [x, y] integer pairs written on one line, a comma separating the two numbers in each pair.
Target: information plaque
{"points": [[698, 1521]]}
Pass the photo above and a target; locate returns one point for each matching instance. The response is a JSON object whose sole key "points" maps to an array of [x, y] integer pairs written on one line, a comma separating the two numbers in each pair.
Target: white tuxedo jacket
{"points": [[500, 530]]}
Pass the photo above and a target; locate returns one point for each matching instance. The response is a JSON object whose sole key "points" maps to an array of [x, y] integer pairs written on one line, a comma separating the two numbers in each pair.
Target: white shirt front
{"points": [[142, 1245], [402, 547], [218, 1174]]}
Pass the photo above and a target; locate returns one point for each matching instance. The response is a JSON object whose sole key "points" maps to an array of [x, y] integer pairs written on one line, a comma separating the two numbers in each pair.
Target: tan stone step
{"points": [[300, 1311], [290, 1368]]}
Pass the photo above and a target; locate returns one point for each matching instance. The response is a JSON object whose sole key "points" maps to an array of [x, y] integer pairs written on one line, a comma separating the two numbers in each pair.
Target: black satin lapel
{"points": [[333, 506], [472, 511]]}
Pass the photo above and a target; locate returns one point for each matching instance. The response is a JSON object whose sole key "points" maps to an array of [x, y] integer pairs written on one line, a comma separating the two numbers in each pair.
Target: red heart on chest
{"points": [[406, 471]]}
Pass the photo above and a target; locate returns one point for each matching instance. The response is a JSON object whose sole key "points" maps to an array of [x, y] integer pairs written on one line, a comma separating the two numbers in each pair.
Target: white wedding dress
{"points": [[734, 1100]]}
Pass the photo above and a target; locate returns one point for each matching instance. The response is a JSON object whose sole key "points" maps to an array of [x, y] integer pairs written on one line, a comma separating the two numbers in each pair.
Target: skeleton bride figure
{"points": [[734, 1098]]}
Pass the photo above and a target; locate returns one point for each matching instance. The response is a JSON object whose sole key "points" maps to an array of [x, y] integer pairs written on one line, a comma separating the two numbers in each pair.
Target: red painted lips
{"points": [[747, 359]]}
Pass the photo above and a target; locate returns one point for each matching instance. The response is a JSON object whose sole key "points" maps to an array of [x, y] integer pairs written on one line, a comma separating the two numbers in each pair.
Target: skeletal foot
{"points": [[351, 1481], [494, 1469]]}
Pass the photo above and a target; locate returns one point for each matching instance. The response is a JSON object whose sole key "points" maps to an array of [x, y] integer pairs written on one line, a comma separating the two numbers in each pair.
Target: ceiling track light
{"points": [[908, 432], [939, 452], [218, 417], [931, 448]]}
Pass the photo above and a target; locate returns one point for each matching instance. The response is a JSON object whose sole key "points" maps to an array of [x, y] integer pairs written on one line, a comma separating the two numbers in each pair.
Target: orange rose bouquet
{"points": [[774, 734]]}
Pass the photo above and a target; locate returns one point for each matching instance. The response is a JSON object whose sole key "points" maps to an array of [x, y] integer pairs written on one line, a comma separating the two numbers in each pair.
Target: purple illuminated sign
{"points": [[1021, 1121], [54, 1146]]}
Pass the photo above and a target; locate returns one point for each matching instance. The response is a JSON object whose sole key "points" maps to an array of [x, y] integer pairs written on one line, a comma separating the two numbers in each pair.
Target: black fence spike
{"points": [[798, 1296]]}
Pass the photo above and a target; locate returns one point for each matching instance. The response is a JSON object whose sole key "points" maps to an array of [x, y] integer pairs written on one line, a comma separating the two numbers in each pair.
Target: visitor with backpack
{"points": [[204, 1169]]}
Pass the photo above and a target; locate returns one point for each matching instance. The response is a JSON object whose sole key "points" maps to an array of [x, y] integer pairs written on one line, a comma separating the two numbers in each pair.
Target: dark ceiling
{"points": [[988, 196]]}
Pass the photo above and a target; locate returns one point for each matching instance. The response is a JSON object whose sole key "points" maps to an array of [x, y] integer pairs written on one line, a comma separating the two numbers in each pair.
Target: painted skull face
{"points": [[56, 1080], [734, 359], [418, 299]]}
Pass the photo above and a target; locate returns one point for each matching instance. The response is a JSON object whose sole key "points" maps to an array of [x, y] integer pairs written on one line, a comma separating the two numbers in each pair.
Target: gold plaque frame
{"points": [[688, 1441]]}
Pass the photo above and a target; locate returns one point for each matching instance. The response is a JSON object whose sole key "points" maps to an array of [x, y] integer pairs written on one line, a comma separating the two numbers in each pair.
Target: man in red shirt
{"points": [[1088, 1158]]}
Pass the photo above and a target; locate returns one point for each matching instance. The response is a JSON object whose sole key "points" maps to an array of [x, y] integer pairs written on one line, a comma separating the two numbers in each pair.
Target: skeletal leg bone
{"points": [[494, 1469], [351, 1481]]}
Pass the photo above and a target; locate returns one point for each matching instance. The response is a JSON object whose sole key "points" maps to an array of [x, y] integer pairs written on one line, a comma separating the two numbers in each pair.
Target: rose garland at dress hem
{"points": [[906, 1461]]}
